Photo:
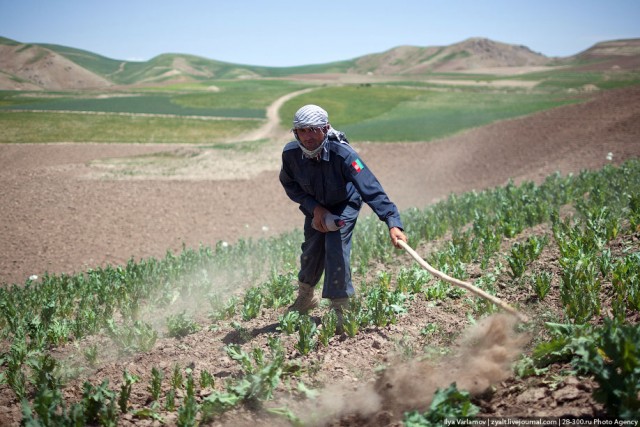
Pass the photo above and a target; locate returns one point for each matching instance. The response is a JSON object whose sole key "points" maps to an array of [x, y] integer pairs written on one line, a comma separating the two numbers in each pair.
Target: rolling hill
{"points": [[53, 67]]}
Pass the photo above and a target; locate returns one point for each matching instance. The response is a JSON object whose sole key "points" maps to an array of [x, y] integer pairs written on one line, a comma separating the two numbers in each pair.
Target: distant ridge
{"points": [[53, 67], [473, 53]]}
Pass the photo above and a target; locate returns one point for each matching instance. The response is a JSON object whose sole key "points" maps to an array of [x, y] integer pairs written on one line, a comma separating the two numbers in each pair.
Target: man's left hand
{"points": [[397, 234]]}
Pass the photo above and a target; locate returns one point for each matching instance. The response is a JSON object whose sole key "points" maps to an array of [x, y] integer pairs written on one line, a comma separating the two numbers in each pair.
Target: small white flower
{"points": [[33, 277], [265, 228], [609, 156], [225, 244]]}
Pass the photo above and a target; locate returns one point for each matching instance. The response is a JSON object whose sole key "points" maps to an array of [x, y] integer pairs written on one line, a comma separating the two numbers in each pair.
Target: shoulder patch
{"points": [[357, 165]]}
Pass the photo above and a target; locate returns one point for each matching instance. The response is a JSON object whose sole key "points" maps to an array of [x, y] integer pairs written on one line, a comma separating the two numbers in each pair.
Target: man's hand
{"points": [[396, 234], [318, 219]]}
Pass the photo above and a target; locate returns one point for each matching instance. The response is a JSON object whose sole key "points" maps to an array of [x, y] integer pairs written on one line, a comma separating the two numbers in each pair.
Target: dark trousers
{"points": [[330, 253]]}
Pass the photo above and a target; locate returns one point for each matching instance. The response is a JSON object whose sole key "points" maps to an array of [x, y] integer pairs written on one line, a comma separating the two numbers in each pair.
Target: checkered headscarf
{"points": [[310, 116]]}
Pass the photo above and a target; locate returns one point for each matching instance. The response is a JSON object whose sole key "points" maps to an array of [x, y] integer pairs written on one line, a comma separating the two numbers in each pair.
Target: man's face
{"points": [[312, 137]]}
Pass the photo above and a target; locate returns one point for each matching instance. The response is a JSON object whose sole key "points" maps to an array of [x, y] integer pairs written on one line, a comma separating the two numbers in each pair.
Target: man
{"points": [[325, 176]]}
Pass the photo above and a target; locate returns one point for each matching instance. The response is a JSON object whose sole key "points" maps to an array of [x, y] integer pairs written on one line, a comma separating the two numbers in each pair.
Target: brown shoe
{"points": [[339, 305], [305, 301]]}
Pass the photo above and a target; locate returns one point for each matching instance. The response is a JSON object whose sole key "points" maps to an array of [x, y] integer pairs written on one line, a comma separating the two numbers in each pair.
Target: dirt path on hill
{"points": [[69, 207]]}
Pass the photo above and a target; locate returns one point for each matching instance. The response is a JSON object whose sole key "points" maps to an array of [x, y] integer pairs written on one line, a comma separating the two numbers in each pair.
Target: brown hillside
{"points": [[30, 66], [473, 53], [610, 55]]}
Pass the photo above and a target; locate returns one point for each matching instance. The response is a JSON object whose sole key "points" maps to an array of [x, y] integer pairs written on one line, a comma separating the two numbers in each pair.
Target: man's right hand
{"points": [[318, 219]]}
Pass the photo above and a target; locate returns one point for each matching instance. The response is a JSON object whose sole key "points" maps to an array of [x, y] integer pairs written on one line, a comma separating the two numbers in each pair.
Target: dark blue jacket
{"points": [[338, 178]]}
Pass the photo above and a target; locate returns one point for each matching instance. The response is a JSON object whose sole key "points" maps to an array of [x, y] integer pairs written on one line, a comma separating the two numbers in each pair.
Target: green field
{"points": [[76, 127], [383, 112], [388, 113]]}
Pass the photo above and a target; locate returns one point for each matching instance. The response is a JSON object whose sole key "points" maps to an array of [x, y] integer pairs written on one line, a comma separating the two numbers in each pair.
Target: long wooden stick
{"points": [[466, 285]]}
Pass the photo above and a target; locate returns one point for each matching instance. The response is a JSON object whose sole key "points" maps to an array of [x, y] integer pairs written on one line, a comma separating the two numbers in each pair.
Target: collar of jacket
{"points": [[323, 155]]}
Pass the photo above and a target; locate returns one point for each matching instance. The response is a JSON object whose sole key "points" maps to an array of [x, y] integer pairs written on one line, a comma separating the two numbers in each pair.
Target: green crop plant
{"points": [[626, 284], [306, 335], [633, 209], [218, 402], [613, 358], [328, 330], [156, 383], [580, 288], [279, 290], [605, 262], [176, 377], [45, 371], [170, 400], [260, 377], [99, 404], [289, 322], [180, 325], [49, 409], [610, 353], [518, 260], [429, 329], [522, 254], [252, 303], [382, 303], [541, 284], [235, 352], [188, 412], [447, 404], [465, 246], [125, 390], [351, 322], [206, 379], [227, 311], [139, 336], [411, 280]]}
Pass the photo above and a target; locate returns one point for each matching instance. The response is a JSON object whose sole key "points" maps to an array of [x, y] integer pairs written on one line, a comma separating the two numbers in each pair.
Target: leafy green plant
{"points": [[610, 353], [328, 330], [156, 383], [580, 288], [99, 404], [181, 325], [139, 336], [411, 280], [176, 377], [227, 311], [518, 260], [306, 335], [125, 390], [91, 355], [279, 291], [447, 404], [541, 283], [429, 329], [188, 412], [206, 379], [613, 358], [351, 322], [289, 322], [261, 376], [252, 303]]}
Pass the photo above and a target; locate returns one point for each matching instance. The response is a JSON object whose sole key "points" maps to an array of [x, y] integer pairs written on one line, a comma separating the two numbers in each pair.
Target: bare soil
{"points": [[69, 207]]}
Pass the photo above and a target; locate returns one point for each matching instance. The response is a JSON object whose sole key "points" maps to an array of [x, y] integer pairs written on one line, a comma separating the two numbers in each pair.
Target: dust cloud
{"points": [[481, 357]]}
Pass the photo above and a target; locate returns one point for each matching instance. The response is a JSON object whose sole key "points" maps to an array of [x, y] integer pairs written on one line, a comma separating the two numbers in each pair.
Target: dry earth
{"points": [[68, 207]]}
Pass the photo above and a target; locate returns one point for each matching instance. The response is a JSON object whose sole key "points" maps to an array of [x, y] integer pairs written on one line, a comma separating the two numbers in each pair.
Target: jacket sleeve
{"points": [[294, 191], [371, 191]]}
